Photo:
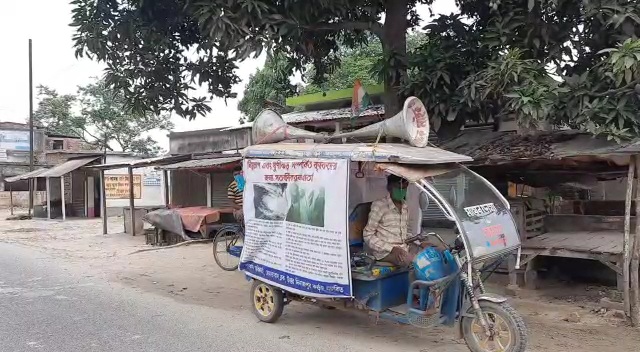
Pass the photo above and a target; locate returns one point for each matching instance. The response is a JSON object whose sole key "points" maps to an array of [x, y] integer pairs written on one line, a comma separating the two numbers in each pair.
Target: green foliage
{"points": [[158, 52], [570, 63], [103, 120], [269, 84]]}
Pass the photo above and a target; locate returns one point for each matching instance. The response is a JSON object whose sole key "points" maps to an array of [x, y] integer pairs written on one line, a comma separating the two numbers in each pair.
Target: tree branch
{"points": [[617, 90], [373, 27]]}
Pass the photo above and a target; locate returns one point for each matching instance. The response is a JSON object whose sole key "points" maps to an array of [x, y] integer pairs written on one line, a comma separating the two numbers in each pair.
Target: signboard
{"points": [[14, 140], [296, 225], [3, 155], [117, 186], [152, 178]]}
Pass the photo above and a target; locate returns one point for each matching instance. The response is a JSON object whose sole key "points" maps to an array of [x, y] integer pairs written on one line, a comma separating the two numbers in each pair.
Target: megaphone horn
{"points": [[269, 127], [410, 124]]}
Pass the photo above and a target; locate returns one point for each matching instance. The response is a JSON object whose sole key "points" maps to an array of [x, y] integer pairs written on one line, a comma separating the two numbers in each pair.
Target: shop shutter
{"points": [[219, 183]]}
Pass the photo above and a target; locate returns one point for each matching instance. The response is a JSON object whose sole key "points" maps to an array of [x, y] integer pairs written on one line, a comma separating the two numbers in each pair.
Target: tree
{"points": [[570, 63], [157, 52], [103, 120], [269, 84]]}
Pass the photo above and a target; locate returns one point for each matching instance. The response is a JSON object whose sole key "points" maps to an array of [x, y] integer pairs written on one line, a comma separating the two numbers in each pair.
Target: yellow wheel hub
{"points": [[263, 299], [500, 341]]}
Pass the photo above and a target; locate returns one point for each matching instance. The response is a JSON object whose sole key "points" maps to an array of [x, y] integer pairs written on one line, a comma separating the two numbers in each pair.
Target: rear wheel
{"points": [[510, 333], [227, 246], [267, 301]]}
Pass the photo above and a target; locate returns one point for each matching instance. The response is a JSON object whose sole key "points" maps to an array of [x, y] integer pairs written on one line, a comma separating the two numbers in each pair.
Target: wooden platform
{"points": [[598, 242], [603, 246]]}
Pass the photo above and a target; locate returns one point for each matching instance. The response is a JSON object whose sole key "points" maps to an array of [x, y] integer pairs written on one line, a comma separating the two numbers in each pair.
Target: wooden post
{"points": [[165, 181], [11, 198], [635, 260], [626, 259], [103, 203], [132, 203], [64, 206], [48, 184], [209, 199]]}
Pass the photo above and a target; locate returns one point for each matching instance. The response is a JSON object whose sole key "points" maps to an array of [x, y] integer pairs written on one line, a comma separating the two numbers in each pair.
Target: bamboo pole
{"points": [[626, 258], [635, 261]]}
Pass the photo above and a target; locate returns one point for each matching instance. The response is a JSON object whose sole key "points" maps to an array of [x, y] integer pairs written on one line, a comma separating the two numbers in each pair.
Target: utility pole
{"points": [[31, 183]]}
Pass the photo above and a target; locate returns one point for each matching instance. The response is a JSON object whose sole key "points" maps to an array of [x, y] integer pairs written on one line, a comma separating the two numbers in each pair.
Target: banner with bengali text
{"points": [[296, 225]]}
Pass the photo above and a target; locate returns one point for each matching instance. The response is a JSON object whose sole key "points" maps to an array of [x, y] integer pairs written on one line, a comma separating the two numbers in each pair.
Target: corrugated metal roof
{"points": [[199, 164], [384, 152], [68, 166], [161, 160], [239, 127], [26, 176], [329, 115], [494, 147]]}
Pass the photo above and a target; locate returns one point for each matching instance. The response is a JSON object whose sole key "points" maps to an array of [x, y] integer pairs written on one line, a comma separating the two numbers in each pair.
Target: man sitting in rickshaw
{"points": [[387, 228]]}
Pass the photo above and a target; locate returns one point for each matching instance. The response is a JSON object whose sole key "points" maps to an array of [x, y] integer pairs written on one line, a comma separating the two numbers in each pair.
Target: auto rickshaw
{"points": [[450, 293]]}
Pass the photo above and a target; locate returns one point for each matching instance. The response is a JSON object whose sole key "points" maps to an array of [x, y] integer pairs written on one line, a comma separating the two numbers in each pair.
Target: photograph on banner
{"points": [[296, 225]]}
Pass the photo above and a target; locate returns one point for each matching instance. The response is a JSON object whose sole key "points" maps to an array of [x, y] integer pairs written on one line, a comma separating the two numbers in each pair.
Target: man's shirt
{"points": [[387, 227]]}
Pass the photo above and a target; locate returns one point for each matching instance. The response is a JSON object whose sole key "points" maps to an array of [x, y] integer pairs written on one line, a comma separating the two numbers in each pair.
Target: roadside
{"points": [[189, 274]]}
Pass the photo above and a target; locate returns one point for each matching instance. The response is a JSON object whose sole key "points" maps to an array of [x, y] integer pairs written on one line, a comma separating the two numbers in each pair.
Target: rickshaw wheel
{"points": [[267, 301], [510, 332], [223, 240]]}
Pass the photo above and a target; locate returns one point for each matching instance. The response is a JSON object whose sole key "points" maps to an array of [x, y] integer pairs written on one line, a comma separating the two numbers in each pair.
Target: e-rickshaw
{"points": [[452, 295]]}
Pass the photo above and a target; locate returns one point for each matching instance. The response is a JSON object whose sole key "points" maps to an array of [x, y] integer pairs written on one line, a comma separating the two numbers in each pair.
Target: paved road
{"points": [[47, 306]]}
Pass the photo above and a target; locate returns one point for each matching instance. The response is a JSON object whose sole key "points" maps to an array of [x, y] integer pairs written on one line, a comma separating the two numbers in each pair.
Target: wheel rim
{"points": [[263, 299], [501, 340], [222, 249]]}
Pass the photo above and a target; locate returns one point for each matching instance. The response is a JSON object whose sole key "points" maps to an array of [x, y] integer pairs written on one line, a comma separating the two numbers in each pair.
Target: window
{"points": [[57, 144]]}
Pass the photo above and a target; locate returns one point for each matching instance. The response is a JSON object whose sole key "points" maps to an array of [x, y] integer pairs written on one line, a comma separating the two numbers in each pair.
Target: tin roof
{"points": [[384, 152], [200, 164], [161, 160], [329, 115], [67, 166], [25, 176], [489, 147]]}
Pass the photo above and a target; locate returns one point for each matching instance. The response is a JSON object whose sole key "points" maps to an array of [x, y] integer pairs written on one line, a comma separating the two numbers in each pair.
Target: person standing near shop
{"points": [[235, 192]]}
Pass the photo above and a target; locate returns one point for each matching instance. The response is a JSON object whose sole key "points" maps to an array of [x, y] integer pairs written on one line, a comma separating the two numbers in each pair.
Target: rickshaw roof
{"points": [[382, 152]]}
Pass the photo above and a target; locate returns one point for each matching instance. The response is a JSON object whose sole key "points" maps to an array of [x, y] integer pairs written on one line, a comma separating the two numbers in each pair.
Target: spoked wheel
{"points": [[227, 246], [267, 301], [509, 331]]}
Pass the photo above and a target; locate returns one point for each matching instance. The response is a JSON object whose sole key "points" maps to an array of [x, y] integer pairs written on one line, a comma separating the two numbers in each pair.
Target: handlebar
{"points": [[458, 245]]}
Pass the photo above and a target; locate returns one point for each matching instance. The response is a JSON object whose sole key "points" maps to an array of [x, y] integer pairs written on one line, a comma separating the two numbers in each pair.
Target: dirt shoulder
{"points": [[189, 274]]}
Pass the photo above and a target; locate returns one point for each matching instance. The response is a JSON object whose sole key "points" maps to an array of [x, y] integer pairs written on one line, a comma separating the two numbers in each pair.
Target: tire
{"points": [[267, 302], [507, 317], [224, 239]]}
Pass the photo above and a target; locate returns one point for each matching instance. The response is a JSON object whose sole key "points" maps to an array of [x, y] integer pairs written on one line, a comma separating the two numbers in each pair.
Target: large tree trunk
{"points": [[394, 45]]}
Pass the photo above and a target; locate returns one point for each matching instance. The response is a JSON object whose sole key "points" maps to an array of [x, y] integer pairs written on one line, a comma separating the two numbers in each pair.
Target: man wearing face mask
{"points": [[235, 192], [387, 229]]}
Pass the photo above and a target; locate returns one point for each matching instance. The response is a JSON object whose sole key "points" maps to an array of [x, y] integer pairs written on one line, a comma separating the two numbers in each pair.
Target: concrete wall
{"points": [[208, 141], [152, 193], [20, 199]]}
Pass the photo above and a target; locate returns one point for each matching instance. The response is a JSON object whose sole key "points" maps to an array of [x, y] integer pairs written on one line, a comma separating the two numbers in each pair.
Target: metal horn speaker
{"points": [[410, 124], [269, 127]]}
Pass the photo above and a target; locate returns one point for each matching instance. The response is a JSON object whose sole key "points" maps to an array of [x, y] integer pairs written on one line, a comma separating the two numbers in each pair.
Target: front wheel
{"points": [[509, 331], [267, 301], [227, 246]]}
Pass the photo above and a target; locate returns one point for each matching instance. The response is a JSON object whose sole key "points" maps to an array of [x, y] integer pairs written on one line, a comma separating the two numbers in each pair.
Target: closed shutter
{"points": [[219, 183], [188, 188], [433, 211]]}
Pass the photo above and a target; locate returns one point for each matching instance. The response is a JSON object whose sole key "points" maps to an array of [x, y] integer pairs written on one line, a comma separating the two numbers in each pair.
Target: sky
{"points": [[46, 22]]}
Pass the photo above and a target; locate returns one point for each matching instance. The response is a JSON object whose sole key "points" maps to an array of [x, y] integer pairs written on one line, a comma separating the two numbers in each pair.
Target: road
{"points": [[46, 305]]}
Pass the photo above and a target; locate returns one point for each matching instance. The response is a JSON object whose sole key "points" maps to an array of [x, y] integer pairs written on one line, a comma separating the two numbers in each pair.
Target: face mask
{"points": [[239, 181], [398, 194]]}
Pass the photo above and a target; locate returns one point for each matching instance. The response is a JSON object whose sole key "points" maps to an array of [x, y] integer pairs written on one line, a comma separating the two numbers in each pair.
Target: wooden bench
{"points": [[593, 237]]}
